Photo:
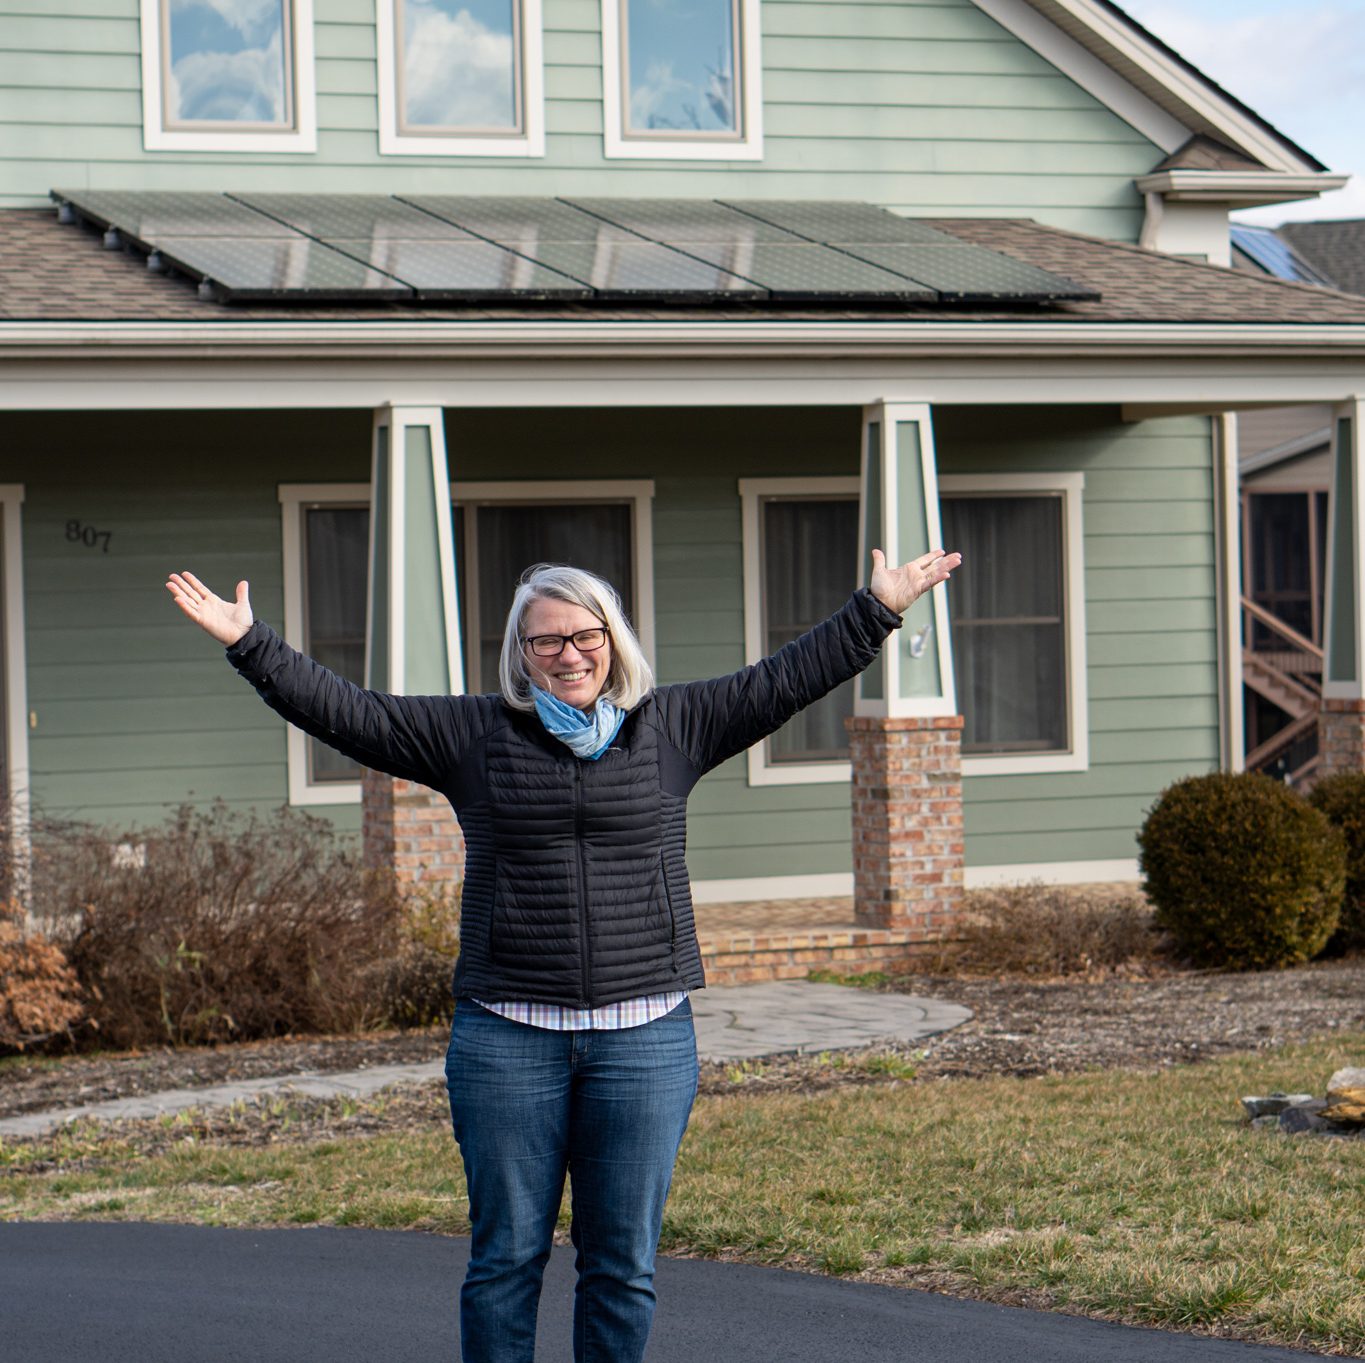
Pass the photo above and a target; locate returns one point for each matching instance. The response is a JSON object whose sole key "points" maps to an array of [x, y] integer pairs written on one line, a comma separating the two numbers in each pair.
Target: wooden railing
{"points": [[1289, 675]]}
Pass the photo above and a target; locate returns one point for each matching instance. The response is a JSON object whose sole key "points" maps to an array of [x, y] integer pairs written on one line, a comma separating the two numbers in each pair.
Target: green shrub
{"points": [[1243, 873], [1342, 799]]}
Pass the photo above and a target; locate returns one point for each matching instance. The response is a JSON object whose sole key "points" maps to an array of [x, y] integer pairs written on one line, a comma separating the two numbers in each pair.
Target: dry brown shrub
{"points": [[412, 987], [219, 926], [1042, 930], [40, 997]]}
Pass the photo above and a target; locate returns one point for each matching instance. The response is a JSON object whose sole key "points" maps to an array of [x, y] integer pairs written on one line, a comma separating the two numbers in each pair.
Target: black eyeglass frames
{"points": [[552, 645]]}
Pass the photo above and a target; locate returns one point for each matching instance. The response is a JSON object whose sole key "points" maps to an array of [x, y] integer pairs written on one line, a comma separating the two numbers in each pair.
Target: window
{"points": [[460, 78], [228, 77], [326, 563], [1018, 636], [681, 79], [500, 529], [503, 528], [800, 565]]}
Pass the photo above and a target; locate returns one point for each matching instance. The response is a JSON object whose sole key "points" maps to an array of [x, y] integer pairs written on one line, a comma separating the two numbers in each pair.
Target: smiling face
{"points": [[573, 677]]}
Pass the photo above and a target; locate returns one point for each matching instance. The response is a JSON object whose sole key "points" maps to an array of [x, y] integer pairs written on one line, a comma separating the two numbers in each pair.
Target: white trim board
{"points": [[302, 138], [528, 142], [16, 718], [839, 884], [752, 493], [1072, 487]]}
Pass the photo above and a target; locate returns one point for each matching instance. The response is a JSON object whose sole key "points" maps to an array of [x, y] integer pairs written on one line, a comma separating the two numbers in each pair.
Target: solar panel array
{"points": [[471, 249]]}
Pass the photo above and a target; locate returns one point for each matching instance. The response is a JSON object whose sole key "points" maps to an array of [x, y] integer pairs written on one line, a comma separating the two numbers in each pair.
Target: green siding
{"points": [[1151, 647], [927, 106], [136, 711]]}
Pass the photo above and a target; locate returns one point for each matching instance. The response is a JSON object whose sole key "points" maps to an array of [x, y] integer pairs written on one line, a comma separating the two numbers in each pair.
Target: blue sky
{"points": [[1298, 63]]}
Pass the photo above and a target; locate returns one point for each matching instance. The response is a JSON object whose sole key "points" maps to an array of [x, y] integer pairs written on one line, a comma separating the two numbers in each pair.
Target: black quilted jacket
{"points": [[576, 888]]}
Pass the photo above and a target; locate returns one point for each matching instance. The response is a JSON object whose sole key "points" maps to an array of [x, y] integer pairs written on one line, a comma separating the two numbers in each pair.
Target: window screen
{"points": [[809, 548], [336, 556], [1009, 621]]}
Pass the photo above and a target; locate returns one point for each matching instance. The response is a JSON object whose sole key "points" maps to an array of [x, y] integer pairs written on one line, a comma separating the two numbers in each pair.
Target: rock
{"points": [[1353, 1077], [1345, 1106], [1273, 1103], [1270, 1119], [1304, 1117]]}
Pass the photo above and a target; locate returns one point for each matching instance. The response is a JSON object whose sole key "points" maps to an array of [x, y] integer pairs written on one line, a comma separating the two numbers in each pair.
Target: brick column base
{"points": [[410, 830], [1341, 736], [907, 824]]}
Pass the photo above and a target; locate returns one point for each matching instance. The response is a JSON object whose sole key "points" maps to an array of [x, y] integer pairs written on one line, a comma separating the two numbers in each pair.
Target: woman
{"points": [[572, 1048]]}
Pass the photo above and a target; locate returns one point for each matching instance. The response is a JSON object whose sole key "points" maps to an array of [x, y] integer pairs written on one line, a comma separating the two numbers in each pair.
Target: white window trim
{"points": [[295, 498], [615, 98], [1071, 486], [530, 141], [638, 492], [752, 491], [15, 671], [304, 137]]}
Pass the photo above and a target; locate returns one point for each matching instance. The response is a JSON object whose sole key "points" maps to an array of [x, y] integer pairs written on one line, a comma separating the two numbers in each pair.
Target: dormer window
{"points": [[221, 77], [681, 79], [460, 78]]}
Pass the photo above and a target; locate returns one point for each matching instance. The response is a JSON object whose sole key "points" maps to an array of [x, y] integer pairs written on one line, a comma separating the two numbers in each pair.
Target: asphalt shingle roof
{"points": [[51, 272], [1337, 248]]}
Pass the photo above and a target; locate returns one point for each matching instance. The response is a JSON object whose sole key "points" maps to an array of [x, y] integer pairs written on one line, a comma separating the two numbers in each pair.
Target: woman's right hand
{"points": [[226, 621]]}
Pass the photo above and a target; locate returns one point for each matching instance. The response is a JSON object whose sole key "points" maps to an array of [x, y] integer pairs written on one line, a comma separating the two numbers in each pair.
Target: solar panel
{"points": [[144, 216], [614, 262], [961, 272], [463, 270], [296, 247], [787, 266], [832, 223], [252, 269]]}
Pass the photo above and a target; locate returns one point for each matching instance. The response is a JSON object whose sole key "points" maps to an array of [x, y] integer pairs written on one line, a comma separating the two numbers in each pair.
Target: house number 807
{"points": [[76, 533]]}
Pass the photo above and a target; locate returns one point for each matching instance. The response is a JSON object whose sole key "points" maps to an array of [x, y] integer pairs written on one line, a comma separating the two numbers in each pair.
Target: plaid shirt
{"points": [[610, 1017]]}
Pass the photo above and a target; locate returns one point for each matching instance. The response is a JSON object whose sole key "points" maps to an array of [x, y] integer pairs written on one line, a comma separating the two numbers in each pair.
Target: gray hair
{"points": [[629, 676]]}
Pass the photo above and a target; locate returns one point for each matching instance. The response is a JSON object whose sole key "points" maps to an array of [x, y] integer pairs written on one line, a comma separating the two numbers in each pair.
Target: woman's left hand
{"points": [[899, 588]]}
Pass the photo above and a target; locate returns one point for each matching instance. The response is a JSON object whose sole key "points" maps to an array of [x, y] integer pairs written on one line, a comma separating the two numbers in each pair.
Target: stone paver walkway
{"points": [[739, 1022]]}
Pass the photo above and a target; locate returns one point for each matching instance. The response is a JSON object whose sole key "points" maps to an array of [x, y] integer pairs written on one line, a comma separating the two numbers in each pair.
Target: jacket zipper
{"points": [[585, 955]]}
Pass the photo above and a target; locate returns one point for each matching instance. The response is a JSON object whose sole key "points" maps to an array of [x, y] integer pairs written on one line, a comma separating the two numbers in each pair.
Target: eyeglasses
{"points": [[552, 645]]}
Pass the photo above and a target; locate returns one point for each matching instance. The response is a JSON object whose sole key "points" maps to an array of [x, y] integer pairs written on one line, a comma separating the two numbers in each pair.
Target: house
{"points": [[373, 301], [1286, 467]]}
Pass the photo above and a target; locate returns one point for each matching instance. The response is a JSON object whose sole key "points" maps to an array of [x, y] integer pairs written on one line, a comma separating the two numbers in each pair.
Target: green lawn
{"points": [[1139, 1197]]}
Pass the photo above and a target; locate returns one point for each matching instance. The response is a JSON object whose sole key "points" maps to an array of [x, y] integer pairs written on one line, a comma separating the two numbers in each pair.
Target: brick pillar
{"points": [[907, 823], [1341, 736], [410, 829]]}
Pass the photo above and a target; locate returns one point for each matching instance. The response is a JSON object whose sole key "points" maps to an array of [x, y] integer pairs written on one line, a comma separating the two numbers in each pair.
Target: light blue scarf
{"points": [[589, 736]]}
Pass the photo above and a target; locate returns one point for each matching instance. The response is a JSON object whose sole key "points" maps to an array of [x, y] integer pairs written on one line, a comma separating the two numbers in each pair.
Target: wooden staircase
{"points": [[1288, 675]]}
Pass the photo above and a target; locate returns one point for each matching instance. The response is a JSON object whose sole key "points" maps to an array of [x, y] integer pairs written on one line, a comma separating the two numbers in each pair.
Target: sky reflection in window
{"points": [[227, 63], [680, 56], [460, 65]]}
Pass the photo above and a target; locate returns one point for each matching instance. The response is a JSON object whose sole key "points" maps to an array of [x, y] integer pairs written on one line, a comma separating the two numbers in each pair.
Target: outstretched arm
{"points": [[419, 738], [710, 721]]}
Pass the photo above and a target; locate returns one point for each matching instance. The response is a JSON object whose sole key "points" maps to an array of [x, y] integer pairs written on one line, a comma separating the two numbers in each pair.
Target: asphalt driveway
{"points": [[131, 1293]]}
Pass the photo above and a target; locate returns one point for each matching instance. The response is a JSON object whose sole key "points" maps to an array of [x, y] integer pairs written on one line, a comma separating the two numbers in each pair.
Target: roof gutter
{"points": [[656, 338]]}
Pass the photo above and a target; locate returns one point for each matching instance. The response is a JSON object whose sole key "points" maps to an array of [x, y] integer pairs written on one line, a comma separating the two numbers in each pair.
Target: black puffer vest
{"points": [[576, 888]]}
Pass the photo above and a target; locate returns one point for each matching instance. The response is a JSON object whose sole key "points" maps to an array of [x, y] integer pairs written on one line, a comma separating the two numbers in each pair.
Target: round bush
{"points": [[1342, 799], [1243, 873]]}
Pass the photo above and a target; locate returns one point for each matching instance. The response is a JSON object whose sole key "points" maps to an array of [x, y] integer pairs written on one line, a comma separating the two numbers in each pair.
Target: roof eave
{"points": [[1239, 189], [1174, 83], [658, 338]]}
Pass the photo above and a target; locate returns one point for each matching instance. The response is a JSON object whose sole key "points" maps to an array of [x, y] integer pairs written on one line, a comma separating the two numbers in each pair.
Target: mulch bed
{"points": [[1019, 1027]]}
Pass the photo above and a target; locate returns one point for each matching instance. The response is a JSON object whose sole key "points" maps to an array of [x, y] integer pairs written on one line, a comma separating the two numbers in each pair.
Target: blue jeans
{"points": [[528, 1105]]}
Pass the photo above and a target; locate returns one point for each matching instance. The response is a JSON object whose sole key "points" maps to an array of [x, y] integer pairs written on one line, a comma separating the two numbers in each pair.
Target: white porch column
{"points": [[906, 734], [412, 641], [1341, 728]]}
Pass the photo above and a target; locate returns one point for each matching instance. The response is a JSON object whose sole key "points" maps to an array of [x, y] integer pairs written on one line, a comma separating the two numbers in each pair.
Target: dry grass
{"points": [[1130, 1195]]}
